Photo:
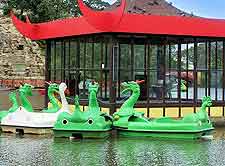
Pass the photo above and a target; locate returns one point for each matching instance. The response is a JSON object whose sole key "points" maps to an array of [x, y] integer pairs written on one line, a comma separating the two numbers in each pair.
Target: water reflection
{"points": [[161, 152], [36, 150], [84, 152]]}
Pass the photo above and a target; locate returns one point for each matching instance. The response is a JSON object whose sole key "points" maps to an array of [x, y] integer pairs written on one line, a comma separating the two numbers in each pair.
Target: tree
{"points": [[47, 10]]}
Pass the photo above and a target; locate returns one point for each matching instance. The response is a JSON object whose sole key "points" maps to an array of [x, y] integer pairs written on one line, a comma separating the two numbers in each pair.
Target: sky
{"points": [[204, 8]]}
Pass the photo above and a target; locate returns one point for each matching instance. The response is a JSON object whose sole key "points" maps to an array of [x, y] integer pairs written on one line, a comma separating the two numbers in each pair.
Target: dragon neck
{"points": [[25, 102], [52, 99], [202, 113], [15, 105], [203, 108], [93, 100], [77, 114], [77, 108], [129, 103], [64, 101]]}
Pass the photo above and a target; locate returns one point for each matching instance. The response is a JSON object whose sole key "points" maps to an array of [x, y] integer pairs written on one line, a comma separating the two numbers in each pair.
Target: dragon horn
{"points": [[48, 82], [140, 81]]}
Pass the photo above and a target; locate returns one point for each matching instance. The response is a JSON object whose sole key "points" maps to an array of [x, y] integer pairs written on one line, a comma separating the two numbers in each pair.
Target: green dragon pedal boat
{"points": [[13, 108], [91, 123], [131, 123], [23, 119]]}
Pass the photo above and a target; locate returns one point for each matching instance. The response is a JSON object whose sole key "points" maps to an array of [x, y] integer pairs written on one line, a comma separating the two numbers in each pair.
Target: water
{"points": [[48, 151]]}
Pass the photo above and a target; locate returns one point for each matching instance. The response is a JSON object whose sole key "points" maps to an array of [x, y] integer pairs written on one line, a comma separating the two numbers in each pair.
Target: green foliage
{"points": [[46, 10]]}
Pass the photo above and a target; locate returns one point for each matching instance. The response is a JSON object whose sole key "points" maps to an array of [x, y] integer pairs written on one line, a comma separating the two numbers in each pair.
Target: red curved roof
{"points": [[117, 21]]}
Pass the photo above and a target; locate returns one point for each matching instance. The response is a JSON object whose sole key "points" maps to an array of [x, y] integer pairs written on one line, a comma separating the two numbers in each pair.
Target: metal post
{"points": [[112, 76], [223, 65], [148, 79], [179, 77], [209, 72], [47, 69], [195, 75]]}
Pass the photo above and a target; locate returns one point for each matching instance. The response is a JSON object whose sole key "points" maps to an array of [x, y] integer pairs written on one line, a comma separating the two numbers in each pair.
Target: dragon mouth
{"points": [[56, 90], [125, 91], [126, 87], [124, 84], [210, 104], [30, 90]]}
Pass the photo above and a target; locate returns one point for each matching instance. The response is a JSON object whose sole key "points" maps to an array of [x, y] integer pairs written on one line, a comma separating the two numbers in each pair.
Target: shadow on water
{"points": [[45, 150]]}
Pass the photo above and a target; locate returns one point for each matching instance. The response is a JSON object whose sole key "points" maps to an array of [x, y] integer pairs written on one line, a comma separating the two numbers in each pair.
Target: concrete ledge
{"points": [[26, 130]]}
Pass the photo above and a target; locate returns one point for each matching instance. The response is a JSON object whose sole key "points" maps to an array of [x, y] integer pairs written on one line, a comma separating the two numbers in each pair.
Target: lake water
{"points": [[48, 151]]}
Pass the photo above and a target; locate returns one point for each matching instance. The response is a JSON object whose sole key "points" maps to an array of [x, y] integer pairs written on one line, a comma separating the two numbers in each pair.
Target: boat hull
{"points": [[80, 134], [165, 134], [29, 122], [26, 130]]}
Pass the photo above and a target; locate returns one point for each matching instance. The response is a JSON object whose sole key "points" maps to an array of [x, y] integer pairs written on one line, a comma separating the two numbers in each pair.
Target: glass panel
{"points": [[139, 57], [73, 53], [155, 91], [139, 69], [105, 88], [52, 56], [190, 68], [213, 72], [201, 70], [213, 83], [83, 54], [220, 55], [202, 84], [58, 61], [173, 88], [201, 58], [219, 85], [125, 62], [184, 72], [97, 55], [67, 55], [153, 57], [52, 61], [67, 61], [213, 56], [219, 70]]}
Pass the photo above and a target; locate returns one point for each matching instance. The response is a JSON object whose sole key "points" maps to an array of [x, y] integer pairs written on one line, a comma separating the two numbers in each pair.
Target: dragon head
{"points": [[130, 86], [207, 101], [53, 87], [26, 89], [80, 120], [93, 86]]}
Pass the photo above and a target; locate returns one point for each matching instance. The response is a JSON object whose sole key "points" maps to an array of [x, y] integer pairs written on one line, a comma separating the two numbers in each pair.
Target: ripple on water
{"points": [[47, 151]]}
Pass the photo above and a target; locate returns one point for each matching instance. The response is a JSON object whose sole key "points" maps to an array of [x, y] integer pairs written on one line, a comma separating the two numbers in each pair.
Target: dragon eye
{"points": [[90, 121], [64, 121]]}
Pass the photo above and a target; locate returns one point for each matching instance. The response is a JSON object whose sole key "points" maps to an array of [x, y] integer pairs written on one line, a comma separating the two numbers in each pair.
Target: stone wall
{"points": [[20, 58]]}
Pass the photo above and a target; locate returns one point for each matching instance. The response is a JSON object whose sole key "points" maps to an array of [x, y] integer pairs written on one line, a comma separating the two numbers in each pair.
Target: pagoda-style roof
{"points": [[151, 7], [119, 21]]}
